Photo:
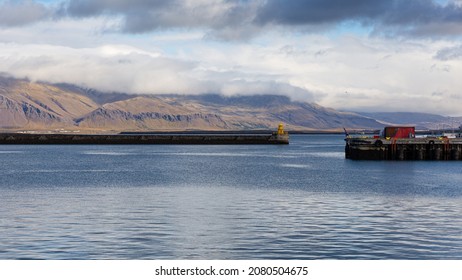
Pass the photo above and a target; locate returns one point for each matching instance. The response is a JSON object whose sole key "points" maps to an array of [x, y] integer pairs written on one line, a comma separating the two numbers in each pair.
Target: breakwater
{"points": [[143, 138], [428, 148]]}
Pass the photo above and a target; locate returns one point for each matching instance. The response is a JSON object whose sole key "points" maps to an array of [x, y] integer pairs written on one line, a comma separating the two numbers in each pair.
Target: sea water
{"points": [[297, 201]]}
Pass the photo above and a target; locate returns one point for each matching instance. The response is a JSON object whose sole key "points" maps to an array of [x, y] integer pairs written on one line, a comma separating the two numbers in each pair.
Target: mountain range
{"points": [[422, 121], [39, 106]]}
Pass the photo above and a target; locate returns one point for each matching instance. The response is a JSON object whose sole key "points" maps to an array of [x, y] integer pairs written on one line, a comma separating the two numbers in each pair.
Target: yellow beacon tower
{"points": [[280, 136], [281, 129]]}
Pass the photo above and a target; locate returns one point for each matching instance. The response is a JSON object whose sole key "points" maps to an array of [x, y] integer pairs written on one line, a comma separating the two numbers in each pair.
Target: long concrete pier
{"points": [[143, 138], [428, 148]]}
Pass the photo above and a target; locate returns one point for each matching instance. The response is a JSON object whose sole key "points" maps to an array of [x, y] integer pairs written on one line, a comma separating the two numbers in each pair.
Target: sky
{"points": [[356, 55]]}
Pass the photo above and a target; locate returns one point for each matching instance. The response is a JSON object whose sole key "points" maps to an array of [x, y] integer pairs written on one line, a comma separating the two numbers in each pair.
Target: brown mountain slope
{"points": [[39, 106], [184, 113], [27, 105], [151, 113]]}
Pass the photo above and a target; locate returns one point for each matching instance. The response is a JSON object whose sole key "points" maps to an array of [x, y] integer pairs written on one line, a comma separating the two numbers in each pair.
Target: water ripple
{"points": [[301, 201]]}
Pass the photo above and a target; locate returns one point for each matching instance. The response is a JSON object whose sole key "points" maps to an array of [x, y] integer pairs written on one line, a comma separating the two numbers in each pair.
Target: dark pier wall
{"points": [[404, 150], [150, 139]]}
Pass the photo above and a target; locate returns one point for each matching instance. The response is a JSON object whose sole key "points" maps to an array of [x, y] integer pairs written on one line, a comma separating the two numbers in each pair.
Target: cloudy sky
{"points": [[364, 55]]}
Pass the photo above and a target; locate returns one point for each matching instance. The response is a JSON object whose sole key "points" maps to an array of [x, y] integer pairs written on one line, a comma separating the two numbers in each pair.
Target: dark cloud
{"points": [[410, 17], [95, 7], [300, 12], [237, 19], [139, 15], [454, 53], [147, 15], [234, 19], [23, 12]]}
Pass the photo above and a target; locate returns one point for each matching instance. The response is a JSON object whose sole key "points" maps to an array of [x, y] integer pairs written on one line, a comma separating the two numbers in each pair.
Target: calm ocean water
{"points": [[301, 201]]}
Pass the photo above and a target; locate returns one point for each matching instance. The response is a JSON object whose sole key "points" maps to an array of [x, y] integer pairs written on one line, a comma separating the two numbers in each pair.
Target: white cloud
{"points": [[123, 68], [354, 73], [107, 68], [349, 72]]}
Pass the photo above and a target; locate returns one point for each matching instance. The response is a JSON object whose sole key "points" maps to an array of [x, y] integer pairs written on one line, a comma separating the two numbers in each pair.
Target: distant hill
{"points": [[419, 120], [26, 105]]}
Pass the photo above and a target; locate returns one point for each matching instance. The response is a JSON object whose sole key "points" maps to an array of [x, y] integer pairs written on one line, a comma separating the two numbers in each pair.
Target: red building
{"points": [[399, 132]]}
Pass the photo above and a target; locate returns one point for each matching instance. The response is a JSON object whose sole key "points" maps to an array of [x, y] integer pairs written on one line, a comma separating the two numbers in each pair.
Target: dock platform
{"points": [[143, 138], [428, 148]]}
